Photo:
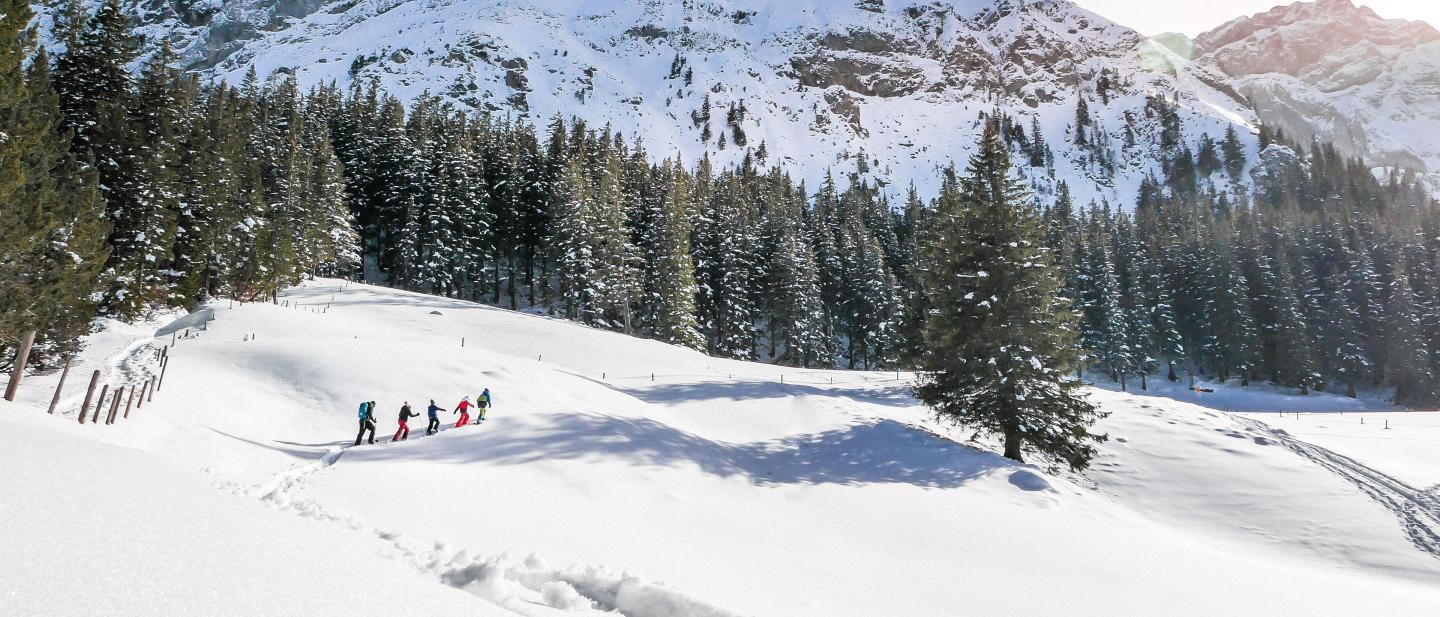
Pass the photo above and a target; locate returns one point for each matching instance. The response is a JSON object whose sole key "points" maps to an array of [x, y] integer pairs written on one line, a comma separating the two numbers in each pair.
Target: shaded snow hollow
{"points": [[711, 489]]}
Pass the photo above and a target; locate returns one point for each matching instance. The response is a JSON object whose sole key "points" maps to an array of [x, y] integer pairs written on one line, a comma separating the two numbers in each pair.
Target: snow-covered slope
{"points": [[821, 81], [611, 463], [1340, 72]]}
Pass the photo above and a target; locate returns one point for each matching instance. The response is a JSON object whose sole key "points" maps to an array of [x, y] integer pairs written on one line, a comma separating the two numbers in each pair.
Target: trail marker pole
{"points": [[151, 395], [172, 338], [89, 392], [1387, 424], [163, 365], [55, 400], [22, 356], [95, 419], [144, 389], [129, 400]]}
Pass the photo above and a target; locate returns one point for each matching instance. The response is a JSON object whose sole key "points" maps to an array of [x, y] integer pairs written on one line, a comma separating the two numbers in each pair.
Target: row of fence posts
{"points": [[134, 395], [309, 309]]}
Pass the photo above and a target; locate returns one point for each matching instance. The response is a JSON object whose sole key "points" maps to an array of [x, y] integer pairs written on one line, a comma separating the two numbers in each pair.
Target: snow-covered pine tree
{"points": [[1409, 361], [725, 265], [570, 250], [1000, 340], [616, 278], [1294, 352], [673, 310], [1234, 153], [799, 316], [51, 241]]}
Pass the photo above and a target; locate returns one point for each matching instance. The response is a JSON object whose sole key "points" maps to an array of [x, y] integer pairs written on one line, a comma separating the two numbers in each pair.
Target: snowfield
{"points": [[618, 475]]}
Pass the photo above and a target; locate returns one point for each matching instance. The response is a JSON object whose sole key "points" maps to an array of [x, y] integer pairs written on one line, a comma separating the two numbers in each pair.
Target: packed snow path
{"points": [[1417, 510]]}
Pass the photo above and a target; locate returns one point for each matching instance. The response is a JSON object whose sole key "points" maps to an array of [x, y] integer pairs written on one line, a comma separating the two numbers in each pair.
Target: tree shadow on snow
{"points": [[883, 452]]}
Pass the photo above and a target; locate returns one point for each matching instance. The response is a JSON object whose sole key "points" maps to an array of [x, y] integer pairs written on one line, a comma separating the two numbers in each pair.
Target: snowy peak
{"points": [[821, 83], [1305, 38], [1340, 72]]}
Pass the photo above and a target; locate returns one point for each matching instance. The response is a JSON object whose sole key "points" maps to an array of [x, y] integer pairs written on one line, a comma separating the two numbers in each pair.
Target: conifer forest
{"points": [[125, 191]]}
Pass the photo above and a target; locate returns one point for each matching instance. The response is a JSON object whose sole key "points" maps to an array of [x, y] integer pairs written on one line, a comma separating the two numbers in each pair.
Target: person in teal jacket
{"points": [[367, 421]]}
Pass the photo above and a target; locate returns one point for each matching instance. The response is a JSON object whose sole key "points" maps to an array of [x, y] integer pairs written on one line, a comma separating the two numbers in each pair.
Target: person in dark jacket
{"points": [[433, 411], [403, 433], [367, 421]]}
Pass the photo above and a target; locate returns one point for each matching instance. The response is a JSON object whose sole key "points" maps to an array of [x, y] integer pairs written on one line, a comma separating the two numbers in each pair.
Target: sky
{"points": [[1195, 16]]}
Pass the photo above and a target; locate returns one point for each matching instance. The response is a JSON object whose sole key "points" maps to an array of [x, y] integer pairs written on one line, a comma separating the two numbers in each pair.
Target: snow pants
{"points": [[366, 425], [464, 419], [402, 433], [433, 427]]}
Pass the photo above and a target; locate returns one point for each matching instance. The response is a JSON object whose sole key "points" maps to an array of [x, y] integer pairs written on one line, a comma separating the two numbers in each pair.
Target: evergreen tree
{"points": [[51, 239], [675, 319], [1000, 339], [1234, 153], [1409, 358]]}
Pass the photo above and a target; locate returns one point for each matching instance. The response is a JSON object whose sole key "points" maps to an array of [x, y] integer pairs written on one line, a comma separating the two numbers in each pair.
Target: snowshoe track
{"points": [[1418, 510], [524, 587]]}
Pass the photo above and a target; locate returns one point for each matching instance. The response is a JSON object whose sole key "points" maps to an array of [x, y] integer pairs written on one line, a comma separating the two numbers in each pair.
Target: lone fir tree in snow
{"points": [[999, 340]]}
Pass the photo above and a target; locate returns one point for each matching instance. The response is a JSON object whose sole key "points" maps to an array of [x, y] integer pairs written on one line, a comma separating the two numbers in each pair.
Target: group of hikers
{"points": [[367, 417]]}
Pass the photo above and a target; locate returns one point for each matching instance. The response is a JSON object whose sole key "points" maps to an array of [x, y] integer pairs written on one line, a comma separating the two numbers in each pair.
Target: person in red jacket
{"points": [[464, 410]]}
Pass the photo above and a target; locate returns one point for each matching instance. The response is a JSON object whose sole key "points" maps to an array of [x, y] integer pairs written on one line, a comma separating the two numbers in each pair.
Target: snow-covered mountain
{"points": [[1340, 72], [817, 81]]}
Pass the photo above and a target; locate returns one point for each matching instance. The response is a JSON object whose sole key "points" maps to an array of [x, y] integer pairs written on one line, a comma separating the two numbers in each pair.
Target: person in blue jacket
{"points": [[434, 426]]}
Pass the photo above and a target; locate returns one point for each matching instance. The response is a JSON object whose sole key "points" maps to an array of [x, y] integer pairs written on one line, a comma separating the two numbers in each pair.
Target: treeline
{"points": [[158, 190], [736, 262], [1325, 280]]}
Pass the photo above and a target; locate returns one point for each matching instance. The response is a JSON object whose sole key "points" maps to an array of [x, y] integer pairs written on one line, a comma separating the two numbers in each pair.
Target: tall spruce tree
{"points": [[1000, 340]]}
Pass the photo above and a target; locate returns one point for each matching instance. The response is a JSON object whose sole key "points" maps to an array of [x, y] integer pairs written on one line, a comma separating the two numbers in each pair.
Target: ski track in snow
{"points": [[1418, 510], [516, 586]]}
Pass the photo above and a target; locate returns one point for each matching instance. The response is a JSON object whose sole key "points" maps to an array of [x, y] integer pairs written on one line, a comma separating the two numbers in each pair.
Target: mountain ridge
{"points": [[818, 82]]}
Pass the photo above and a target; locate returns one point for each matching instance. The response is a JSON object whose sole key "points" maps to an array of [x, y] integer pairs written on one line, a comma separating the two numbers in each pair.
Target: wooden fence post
{"points": [[114, 405], [55, 400], [100, 403], [145, 387], [129, 400], [151, 395], [22, 356], [163, 364], [89, 392]]}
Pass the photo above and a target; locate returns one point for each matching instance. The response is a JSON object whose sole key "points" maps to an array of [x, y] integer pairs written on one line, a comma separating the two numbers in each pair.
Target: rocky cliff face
{"points": [[822, 83], [1339, 72]]}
